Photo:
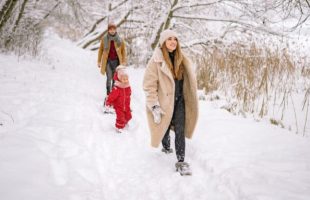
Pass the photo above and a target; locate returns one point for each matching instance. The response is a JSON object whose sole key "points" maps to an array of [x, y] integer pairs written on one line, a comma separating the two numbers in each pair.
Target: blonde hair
{"points": [[178, 69]]}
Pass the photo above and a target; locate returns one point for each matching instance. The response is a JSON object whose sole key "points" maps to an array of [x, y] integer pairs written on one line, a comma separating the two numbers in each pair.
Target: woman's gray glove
{"points": [[157, 112]]}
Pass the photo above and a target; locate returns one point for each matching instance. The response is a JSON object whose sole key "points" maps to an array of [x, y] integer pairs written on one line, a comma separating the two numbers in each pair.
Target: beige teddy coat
{"points": [[159, 86]]}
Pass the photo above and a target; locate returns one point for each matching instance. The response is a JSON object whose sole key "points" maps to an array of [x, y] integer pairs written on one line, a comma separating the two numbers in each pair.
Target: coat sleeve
{"points": [[150, 84], [100, 51], [112, 97]]}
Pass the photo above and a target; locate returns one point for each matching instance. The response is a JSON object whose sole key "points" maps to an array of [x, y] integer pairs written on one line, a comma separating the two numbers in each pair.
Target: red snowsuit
{"points": [[119, 98]]}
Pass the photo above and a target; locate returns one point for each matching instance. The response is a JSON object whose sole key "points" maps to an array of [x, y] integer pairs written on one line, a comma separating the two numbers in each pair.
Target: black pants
{"points": [[178, 121], [111, 66]]}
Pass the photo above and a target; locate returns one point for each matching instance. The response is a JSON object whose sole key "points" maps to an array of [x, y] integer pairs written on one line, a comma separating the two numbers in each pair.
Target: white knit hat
{"points": [[120, 67], [121, 70], [165, 35]]}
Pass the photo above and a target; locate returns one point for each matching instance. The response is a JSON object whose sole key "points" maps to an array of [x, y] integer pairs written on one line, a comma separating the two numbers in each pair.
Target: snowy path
{"points": [[55, 143]]}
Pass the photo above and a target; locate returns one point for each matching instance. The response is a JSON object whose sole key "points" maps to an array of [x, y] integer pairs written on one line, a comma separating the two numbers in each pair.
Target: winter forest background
{"points": [[251, 53], [251, 58]]}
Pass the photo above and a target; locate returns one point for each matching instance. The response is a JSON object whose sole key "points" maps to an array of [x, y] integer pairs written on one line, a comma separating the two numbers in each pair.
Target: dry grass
{"points": [[254, 77]]}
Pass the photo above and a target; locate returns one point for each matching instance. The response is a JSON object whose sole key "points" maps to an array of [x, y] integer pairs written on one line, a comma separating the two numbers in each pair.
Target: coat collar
{"points": [[158, 55], [159, 58]]}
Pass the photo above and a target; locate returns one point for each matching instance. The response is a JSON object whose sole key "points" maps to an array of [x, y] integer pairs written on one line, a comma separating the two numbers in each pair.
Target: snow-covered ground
{"points": [[56, 144]]}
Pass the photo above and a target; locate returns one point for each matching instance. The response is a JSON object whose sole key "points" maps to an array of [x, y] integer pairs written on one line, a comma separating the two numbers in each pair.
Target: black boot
{"points": [[167, 151], [183, 168]]}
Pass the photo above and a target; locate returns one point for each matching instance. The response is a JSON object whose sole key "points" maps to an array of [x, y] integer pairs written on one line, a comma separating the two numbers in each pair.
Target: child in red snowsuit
{"points": [[119, 98]]}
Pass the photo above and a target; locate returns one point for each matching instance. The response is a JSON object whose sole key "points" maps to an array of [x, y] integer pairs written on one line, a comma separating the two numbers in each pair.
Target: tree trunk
{"points": [[6, 12], [155, 42], [20, 15], [165, 25]]}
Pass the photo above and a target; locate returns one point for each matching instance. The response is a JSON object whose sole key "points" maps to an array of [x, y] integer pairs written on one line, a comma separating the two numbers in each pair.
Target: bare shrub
{"points": [[26, 39], [277, 122], [257, 79]]}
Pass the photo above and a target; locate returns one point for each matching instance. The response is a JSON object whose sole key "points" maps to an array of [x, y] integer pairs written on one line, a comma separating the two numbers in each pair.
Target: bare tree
{"points": [[22, 24], [6, 12], [201, 22], [303, 6]]}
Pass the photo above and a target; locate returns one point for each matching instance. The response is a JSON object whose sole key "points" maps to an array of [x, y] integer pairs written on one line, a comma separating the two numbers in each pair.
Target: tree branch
{"points": [[116, 6], [95, 25], [105, 31], [300, 22], [196, 5], [48, 14], [229, 21], [20, 15]]}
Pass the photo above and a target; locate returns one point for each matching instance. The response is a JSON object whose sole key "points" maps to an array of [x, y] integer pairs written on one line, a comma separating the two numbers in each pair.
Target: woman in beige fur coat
{"points": [[171, 97]]}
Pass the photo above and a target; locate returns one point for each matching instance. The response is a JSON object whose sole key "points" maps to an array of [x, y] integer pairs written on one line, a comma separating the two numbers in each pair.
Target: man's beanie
{"points": [[111, 25], [165, 35]]}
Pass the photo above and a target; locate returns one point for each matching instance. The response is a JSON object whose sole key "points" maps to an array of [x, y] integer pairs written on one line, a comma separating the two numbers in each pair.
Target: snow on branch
{"points": [[99, 34], [196, 5], [247, 25], [118, 5], [93, 28]]}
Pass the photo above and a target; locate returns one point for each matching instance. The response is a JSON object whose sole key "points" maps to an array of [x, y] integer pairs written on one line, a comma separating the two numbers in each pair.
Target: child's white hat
{"points": [[120, 67], [121, 70]]}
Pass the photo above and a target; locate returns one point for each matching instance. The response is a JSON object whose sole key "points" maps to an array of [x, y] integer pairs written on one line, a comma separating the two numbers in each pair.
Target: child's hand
{"points": [[107, 108]]}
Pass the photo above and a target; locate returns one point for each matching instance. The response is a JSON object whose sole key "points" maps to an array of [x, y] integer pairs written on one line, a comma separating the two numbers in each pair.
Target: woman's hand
{"points": [[157, 112]]}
